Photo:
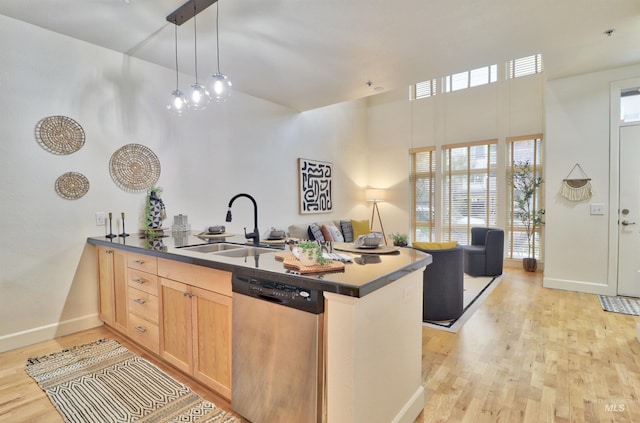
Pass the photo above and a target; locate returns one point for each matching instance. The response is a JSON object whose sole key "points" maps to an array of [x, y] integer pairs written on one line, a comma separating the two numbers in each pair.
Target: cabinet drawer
{"points": [[143, 304], [144, 332], [142, 262], [202, 277], [143, 281]]}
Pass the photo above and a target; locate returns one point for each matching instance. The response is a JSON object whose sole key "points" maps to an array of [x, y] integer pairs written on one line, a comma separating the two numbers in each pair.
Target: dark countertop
{"points": [[357, 280]]}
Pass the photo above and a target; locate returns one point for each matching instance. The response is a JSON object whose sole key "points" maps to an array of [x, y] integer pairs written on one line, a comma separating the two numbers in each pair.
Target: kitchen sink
{"points": [[245, 252], [213, 248]]}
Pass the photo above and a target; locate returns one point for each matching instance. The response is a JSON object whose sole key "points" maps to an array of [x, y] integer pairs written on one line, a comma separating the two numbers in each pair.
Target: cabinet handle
{"points": [[109, 251], [188, 294], [138, 280], [139, 261], [141, 329], [139, 301]]}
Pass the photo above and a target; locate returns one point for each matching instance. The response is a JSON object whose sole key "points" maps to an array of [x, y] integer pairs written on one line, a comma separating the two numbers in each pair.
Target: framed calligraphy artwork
{"points": [[315, 180]]}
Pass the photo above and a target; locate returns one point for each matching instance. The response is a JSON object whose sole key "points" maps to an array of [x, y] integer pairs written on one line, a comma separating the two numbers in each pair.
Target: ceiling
{"points": [[306, 54]]}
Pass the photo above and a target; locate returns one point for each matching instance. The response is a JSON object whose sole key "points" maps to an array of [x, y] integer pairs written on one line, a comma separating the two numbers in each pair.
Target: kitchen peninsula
{"points": [[370, 337]]}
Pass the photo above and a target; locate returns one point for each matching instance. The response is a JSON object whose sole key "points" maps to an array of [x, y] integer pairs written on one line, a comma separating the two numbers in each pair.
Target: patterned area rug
{"points": [[476, 289], [105, 382], [620, 305]]}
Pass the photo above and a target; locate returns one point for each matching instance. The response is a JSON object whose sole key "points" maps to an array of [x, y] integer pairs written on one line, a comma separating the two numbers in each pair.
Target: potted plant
{"points": [[399, 239], [525, 184], [310, 253]]}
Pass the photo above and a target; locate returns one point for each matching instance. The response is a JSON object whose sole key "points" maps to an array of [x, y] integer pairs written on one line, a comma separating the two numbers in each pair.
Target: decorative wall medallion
{"points": [[60, 135], [72, 185], [134, 167], [315, 182]]}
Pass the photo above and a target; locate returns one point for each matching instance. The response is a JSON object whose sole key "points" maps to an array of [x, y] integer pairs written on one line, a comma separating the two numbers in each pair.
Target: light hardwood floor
{"points": [[528, 354]]}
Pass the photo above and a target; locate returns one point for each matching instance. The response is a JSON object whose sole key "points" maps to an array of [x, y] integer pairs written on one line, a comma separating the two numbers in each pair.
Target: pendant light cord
{"points": [[217, 36], [176, 42], [195, 39]]}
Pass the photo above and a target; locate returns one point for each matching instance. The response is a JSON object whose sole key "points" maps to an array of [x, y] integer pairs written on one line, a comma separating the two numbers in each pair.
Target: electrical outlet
{"points": [[597, 208], [101, 218]]}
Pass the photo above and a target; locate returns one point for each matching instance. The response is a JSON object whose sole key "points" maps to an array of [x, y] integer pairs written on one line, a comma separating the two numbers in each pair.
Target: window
{"points": [[468, 189], [524, 66], [523, 149], [423, 182], [424, 89], [472, 78]]}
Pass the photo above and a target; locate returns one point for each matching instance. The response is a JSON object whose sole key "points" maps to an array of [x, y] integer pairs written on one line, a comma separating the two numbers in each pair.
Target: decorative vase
{"points": [[530, 264], [304, 257], [156, 211]]}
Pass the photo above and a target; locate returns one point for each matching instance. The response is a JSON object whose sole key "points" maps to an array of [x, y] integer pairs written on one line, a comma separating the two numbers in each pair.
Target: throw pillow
{"points": [[326, 233], [316, 232], [336, 235], [360, 227], [434, 245], [347, 230]]}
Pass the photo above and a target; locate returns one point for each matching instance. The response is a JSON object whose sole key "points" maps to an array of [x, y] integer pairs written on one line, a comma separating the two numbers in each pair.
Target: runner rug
{"points": [[105, 382], [620, 305], [476, 289]]}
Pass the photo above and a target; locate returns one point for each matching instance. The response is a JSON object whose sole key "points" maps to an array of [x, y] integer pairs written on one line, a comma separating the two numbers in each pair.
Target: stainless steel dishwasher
{"points": [[277, 354]]}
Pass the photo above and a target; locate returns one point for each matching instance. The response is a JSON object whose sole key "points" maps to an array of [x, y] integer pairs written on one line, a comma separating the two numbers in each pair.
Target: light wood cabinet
{"points": [[112, 277], [180, 311], [143, 304], [196, 322]]}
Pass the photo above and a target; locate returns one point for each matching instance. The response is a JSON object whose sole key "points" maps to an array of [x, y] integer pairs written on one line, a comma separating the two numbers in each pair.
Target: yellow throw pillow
{"points": [[360, 227], [435, 245]]}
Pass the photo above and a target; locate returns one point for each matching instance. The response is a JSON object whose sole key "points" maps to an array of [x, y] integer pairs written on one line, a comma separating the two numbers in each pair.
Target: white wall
{"points": [[47, 272], [578, 131], [395, 124]]}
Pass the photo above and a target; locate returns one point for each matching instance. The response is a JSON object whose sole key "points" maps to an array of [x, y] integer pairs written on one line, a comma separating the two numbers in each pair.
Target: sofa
{"points": [[443, 281], [332, 230]]}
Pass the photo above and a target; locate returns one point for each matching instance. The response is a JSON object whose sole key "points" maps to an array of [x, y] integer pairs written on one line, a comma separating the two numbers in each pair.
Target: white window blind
{"points": [[423, 181], [425, 89], [468, 189], [524, 66], [523, 149]]}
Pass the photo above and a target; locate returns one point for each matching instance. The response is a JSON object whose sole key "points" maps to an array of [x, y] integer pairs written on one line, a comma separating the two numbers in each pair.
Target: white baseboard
{"points": [[44, 333], [412, 408], [579, 286]]}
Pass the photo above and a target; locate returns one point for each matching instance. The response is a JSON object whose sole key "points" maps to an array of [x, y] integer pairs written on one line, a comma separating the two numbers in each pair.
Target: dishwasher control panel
{"points": [[278, 292]]}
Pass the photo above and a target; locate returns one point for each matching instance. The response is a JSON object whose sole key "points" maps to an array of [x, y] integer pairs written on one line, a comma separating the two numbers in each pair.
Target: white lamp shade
{"points": [[375, 194]]}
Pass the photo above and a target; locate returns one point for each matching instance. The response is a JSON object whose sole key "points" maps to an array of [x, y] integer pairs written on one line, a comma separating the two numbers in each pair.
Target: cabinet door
{"points": [[212, 340], [176, 343], [105, 284], [120, 286], [112, 279]]}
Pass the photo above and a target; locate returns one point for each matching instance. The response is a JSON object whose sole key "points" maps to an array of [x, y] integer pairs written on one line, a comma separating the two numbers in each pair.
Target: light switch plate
{"points": [[597, 208], [101, 218]]}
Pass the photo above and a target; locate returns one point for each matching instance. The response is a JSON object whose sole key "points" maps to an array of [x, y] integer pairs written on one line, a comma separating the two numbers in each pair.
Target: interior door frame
{"points": [[616, 88]]}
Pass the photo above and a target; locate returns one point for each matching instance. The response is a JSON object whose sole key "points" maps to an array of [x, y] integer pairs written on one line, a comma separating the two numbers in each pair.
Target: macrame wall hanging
{"points": [[576, 189]]}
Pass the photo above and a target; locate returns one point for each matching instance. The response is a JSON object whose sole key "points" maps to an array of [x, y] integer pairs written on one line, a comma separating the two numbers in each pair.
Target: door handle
{"points": [[627, 223]]}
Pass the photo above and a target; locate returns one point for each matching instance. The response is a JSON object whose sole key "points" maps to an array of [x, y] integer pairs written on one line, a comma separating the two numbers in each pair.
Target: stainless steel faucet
{"points": [[255, 235]]}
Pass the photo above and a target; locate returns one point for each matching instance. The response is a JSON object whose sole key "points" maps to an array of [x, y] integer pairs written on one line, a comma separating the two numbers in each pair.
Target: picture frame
{"points": [[315, 181]]}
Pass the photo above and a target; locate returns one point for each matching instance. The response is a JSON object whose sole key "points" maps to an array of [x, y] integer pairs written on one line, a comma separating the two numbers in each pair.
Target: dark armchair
{"points": [[443, 283], [485, 254]]}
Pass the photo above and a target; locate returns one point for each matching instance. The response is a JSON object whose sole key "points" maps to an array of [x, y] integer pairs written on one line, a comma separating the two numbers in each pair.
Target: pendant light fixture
{"points": [[218, 84], [199, 97], [178, 102]]}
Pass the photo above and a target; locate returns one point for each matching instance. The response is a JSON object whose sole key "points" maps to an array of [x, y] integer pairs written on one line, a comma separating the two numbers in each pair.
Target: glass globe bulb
{"points": [[200, 97], [178, 102], [219, 86]]}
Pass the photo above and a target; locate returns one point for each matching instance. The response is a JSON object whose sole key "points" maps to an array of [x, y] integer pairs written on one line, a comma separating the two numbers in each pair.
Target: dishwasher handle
{"points": [[269, 298]]}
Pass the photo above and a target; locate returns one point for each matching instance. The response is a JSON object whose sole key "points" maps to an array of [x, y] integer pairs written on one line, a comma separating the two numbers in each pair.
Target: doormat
{"points": [[476, 290], [105, 382], [622, 305]]}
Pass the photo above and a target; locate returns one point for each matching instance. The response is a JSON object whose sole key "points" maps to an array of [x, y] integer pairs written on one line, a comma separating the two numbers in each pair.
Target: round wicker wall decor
{"points": [[134, 167], [60, 135], [72, 185]]}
